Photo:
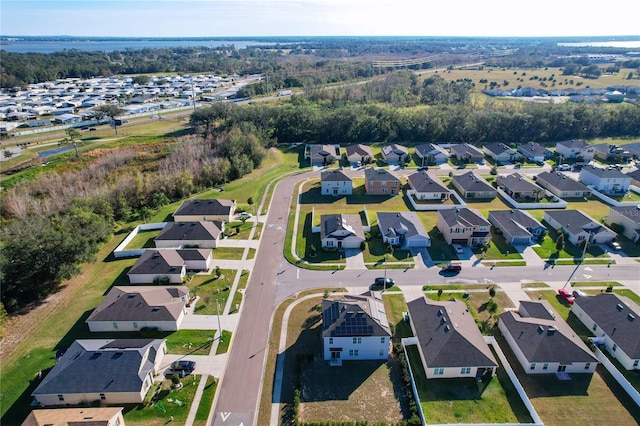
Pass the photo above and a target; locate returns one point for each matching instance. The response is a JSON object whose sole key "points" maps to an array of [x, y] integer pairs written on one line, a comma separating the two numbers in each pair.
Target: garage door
{"points": [[462, 241], [520, 241]]}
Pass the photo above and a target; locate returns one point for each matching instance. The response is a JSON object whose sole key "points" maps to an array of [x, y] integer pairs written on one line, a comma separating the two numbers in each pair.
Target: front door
{"points": [[335, 354], [561, 368]]}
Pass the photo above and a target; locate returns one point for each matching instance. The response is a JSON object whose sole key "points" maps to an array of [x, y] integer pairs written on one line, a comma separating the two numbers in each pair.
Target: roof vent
{"points": [[440, 312], [619, 307], [446, 328], [631, 317], [540, 329], [551, 331], [443, 320]]}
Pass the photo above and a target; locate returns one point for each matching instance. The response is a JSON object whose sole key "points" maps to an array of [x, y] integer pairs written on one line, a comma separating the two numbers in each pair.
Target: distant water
{"points": [[625, 44], [20, 45]]}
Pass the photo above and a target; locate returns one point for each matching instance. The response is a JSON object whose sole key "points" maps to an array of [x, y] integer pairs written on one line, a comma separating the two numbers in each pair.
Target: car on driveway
{"points": [[564, 167], [458, 248], [568, 297], [615, 245], [578, 293], [183, 366], [379, 283], [245, 215]]}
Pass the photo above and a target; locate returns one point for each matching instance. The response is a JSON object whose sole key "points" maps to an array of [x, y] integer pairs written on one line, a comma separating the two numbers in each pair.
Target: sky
{"points": [[225, 18]]}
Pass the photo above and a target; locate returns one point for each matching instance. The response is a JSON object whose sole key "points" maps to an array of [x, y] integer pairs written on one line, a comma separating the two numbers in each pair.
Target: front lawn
{"points": [[241, 230], [211, 288], [190, 342], [228, 253], [546, 249], [166, 404]]}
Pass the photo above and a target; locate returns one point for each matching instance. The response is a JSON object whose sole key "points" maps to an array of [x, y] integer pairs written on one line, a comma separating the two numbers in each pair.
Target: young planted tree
{"points": [[560, 241], [73, 135]]}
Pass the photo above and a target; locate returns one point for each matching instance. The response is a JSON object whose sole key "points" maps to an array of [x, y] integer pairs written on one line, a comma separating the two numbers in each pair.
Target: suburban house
{"points": [[431, 153], [321, 155], [136, 307], [464, 226], [633, 149], [575, 149], [169, 266], [190, 234], [428, 187], [466, 153], [197, 210], [578, 227], [610, 152], [635, 177], [501, 153], [533, 151], [113, 371], [354, 328], [359, 154], [517, 226], [449, 341], [518, 187], [402, 229], [341, 231], [471, 186], [562, 186], [543, 342], [609, 180], [395, 154], [381, 182], [84, 416], [628, 217], [335, 182], [615, 320]]}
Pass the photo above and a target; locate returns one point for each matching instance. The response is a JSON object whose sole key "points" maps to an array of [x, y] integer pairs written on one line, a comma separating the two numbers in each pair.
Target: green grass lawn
{"points": [[240, 230], [143, 239], [498, 249], [205, 401], [237, 296], [228, 253], [169, 403], [190, 342], [223, 345], [547, 249], [211, 288]]}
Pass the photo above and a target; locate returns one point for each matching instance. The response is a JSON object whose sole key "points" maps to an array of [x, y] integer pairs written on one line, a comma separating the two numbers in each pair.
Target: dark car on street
{"points": [[379, 283], [451, 268]]}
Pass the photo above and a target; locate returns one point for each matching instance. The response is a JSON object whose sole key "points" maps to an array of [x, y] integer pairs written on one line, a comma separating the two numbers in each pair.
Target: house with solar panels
{"points": [[354, 328]]}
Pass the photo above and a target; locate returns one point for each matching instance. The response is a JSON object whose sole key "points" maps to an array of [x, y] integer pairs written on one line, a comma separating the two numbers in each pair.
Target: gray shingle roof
{"points": [[359, 149], [141, 303], [574, 221], [472, 183], [630, 212], [517, 183], [574, 143], [464, 216], [612, 314], [430, 148], [354, 316], [514, 222], [422, 182], [376, 175], [608, 173], [205, 207], [496, 148], [532, 149], [101, 366], [465, 149], [448, 335], [166, 261], [545, 339], [394, 148], [330, 223], [561, 181], [334, 176], [394, 223], [190, 231]]}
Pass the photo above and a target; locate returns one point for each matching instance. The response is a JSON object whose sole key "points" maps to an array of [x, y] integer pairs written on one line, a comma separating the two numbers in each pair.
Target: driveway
{"points": [[354, 258]]}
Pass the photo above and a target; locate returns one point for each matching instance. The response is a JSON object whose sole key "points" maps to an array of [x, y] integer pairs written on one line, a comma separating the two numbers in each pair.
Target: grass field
{"points": [[170, 404]]}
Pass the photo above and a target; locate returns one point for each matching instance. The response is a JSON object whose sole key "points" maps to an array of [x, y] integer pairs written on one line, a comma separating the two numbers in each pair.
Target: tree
{"points": [[111, 111], [250, 201], [492, 291], [72, 135], [7, 153], [560, 241], [439, 293], [494, 171]]}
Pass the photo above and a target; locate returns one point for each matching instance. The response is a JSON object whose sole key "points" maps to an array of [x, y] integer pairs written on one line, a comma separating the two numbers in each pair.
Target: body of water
{"points": [[623, 44], [20, 45]]}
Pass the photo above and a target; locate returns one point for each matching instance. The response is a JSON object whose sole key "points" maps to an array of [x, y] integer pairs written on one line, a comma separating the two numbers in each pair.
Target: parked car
{"points": [[245, 215], [615, 245], [183, 365], [578, 293], [380, 282], [458, 248], [452, 267], [564, 167], [568, 297]]}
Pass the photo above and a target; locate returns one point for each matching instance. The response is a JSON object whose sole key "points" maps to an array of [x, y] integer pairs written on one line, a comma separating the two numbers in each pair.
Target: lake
{"points": [[635, 44]]}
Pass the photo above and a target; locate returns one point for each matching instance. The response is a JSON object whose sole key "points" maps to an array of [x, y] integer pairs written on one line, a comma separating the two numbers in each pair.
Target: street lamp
{"points": [[384, 288]]}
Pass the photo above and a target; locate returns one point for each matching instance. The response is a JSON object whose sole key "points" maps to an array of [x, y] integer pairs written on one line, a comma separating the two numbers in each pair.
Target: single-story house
{"points": [[67, 118], [203, 234], [562, 186], [354, 328], [428, 187], [341, 231], [608, 152], [471, 186], [633, 149], [359, 154], [403, 229], [395, 154], [628, 217], [381, 182], [201, 209], [543, 342], [518, 187], [83, 416], [578, 227], [533, 151], [501, 153], [449, 341], [131, 308], [609, 180], [431, 153], [335, 182], [169, 266], [635, 177], [466, 153], [575, 149], [112, 371], [517, 226], [322, 154], [615, 320], [464, 226]]}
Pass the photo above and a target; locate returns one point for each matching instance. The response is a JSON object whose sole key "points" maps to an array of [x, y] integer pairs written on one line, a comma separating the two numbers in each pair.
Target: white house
{"points": [[609, 180], [202, 234], [105, 371], [543, 342], [131, 308], [615, 320], [354, 328], [578, 227], [431, 153], [169, 266], [428, 187], [449, 341], [341, 231], [403, 229], [628, 217], [575, 149], [335, 182], [205, 209]]}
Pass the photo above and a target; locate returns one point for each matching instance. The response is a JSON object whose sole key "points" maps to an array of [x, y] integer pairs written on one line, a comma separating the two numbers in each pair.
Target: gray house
{"points": [[403, 229], [501, 153], [562, 186], [533, 151], [341, 231], [428, 187], [471, 186], [466, 153], [321, 155], [203, 234], [518, 187], [431, 153], [578, 227], [395, 154], [518, 227]]}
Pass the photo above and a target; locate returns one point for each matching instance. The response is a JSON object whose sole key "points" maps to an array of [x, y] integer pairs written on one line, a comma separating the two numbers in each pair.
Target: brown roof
{"points": [[98, 416]]}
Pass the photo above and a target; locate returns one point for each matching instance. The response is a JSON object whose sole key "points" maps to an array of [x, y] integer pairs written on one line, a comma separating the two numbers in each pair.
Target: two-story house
{"points": [[575, 149], [609, 180], [335, 182], [464, 226], [381, 182]]}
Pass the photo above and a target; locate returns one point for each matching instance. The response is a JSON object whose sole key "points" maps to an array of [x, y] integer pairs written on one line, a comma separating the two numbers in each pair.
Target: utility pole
{"points": [[193, 94], [218, 311], [384, 288], [266, 77]]}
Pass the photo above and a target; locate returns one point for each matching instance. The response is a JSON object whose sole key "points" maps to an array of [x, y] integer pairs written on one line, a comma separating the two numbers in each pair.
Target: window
{"points": [[614, 347], [545, 366], [595, 327], [438, 371], [587, 365], [382, 340], [465, 370], [331, 340], [353, 352], [635, 363], [381, 353], [329, 243], [533, 366], [115, 325], [357, 340], [60, 397], [102, 396], [135, 324]]}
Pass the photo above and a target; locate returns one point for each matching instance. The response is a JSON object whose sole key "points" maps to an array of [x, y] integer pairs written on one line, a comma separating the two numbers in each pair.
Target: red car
{"points": [[566, 295]]}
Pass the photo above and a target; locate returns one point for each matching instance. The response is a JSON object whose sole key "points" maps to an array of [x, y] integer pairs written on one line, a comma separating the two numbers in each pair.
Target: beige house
{"points": [[464, 226], [359, 154], [381, 182], [200, 209], [83, 416], [628, 217]]}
